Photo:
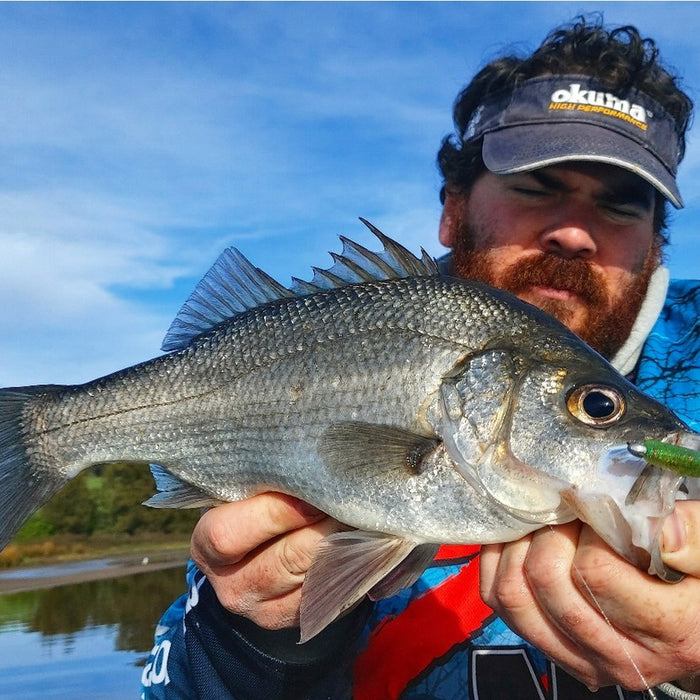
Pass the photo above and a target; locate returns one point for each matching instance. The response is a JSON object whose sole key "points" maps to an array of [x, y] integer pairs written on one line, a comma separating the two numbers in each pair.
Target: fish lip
{"points": [[656, 564], [623, 457]]}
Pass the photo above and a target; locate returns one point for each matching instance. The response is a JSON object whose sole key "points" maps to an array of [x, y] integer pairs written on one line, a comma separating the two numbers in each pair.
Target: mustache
{"points": [[546, 270]]}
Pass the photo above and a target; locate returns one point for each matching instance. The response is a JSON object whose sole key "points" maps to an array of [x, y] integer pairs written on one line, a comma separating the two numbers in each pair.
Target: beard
{"points": [[607, 318]]}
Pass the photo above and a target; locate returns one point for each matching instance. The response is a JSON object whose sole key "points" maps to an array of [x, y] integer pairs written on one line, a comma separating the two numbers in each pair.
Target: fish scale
{"points": [[416, 408]]}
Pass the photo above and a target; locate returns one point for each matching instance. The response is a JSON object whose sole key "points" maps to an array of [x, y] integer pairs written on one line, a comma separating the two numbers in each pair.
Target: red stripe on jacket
{"points": [[401, 648]]}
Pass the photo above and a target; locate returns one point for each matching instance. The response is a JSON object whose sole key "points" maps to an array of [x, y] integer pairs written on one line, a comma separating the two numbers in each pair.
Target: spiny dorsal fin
{"points": [[234, 285]]}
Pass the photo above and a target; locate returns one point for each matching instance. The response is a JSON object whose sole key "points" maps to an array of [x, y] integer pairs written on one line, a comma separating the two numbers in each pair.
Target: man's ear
{"points": [[450, 219]]}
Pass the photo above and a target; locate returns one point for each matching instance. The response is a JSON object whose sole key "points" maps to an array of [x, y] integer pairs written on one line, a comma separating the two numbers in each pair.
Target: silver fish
{"points": [[417, 408]]}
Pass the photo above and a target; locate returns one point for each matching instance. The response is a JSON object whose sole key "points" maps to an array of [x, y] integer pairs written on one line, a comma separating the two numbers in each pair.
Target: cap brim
{"points": [[521, 148]]}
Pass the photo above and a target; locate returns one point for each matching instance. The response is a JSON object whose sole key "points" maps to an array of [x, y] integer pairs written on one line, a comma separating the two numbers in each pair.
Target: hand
{"points": [[256, 552], [551, 586]]}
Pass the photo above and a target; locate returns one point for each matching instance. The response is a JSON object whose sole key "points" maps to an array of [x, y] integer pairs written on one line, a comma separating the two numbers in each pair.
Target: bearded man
{"points": [[556, 188]]}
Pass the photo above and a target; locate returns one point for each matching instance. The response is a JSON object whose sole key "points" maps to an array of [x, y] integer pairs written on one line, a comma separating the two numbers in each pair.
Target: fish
{"points": [[417, 408]]}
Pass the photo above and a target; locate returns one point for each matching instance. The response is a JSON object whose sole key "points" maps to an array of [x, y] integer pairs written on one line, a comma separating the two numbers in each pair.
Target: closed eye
{"points": [[624, 211], [531, 191]]}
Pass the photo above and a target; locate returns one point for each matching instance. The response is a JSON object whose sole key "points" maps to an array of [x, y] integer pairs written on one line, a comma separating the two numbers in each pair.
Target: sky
{"points": [[139, 140]]}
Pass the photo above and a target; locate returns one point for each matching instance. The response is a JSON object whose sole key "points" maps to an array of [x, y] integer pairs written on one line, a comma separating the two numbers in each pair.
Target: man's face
{"points": [[576, 240]]}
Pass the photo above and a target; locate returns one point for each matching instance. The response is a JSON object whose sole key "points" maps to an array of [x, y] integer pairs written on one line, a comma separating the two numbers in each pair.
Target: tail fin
{"points": [[25, 484]]}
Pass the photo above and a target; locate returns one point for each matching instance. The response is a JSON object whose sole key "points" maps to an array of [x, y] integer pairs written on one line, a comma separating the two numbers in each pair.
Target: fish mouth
{"points": [[678, 452], [629, 506], [669, 459]]}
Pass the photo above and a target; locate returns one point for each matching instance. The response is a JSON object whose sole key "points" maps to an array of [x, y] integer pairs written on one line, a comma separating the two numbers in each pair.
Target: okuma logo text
{"points": [[574, 97]]}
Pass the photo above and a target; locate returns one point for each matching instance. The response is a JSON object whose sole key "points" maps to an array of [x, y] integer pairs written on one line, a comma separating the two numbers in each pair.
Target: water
{"points": [[56, 570], [86, 640]]}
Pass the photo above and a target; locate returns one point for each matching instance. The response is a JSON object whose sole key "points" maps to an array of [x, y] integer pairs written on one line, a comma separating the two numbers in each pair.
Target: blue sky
{"points": [[138, 140]]}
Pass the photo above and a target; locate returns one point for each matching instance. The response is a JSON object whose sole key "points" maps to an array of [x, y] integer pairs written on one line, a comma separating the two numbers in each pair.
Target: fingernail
{"points": [[673, 534]]}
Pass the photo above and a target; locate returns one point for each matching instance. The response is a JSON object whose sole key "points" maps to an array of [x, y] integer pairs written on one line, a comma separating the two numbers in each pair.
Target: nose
{"points": [[570, 235]]}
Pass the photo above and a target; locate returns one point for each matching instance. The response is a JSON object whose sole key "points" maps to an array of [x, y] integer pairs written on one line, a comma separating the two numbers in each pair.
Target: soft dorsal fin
{"points": [[234, 285]]}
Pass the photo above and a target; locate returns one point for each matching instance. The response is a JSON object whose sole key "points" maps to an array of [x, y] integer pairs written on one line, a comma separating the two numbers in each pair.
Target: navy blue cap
{"points": [[558, 118]]}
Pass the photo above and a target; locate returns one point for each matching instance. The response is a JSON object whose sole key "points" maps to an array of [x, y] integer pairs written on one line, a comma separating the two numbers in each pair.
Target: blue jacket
{"points": [[434, 640]]}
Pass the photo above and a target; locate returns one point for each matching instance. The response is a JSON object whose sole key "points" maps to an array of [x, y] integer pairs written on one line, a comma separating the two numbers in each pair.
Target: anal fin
{"points": [[176, 493]]}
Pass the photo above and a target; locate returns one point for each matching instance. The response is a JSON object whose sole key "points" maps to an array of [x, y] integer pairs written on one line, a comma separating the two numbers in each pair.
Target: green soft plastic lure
{"points": [[681, 460]]}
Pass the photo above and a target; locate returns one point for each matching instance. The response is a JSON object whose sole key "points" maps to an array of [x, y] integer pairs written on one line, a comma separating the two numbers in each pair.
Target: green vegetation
{"points": [[101, 509]]}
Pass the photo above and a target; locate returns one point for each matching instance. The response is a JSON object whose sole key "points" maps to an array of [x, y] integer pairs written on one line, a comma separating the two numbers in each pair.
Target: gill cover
{"points": [[479, 399]]}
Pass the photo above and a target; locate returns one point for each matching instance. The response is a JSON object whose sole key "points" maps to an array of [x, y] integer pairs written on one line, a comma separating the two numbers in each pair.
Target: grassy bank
{"points": [[77, 547], [99, 514]]}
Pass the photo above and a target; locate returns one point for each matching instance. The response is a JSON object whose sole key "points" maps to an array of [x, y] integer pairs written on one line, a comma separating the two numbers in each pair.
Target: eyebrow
{"points": [[632, 190], [628, 188]]}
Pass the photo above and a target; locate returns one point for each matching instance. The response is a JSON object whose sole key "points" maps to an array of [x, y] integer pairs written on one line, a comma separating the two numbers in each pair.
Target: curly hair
{"points": [[620, 58]]}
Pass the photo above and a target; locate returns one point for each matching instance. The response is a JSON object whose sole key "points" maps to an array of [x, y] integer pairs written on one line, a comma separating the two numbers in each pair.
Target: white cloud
{"points": [[137, 140], [62, 256]]}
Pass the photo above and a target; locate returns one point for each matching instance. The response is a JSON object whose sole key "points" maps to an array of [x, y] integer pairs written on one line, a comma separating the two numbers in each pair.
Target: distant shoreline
{"points": [[50, 575]]}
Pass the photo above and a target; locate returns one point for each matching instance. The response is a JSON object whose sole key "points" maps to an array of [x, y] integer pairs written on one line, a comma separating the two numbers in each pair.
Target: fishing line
{"points": [[648, 691]]}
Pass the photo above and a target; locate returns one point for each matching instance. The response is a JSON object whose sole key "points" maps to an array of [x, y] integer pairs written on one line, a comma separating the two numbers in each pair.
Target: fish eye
{"points": [[597, 405]]}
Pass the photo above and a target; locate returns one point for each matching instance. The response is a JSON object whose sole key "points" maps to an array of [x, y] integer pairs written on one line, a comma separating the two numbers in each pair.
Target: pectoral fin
{"points": [[406, 573], [375, 449], [349, 565]]}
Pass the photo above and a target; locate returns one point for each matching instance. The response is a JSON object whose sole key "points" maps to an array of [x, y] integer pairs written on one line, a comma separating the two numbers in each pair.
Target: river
{"points": [[82, 640]]}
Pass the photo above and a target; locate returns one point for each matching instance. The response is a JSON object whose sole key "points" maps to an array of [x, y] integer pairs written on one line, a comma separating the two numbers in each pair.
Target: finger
{"points": [[641, 638], [227, 533], [649, 621], [535, 595], [266, 585], [501, 574], [680, 538], [644, 608], [506, 587], [611, 583], [489, 557], [591, 648], [281, 564], [563, 615]]}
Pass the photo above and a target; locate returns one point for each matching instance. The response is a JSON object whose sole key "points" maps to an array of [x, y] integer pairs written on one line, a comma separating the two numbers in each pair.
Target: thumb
{"points": [[680, 538]]}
